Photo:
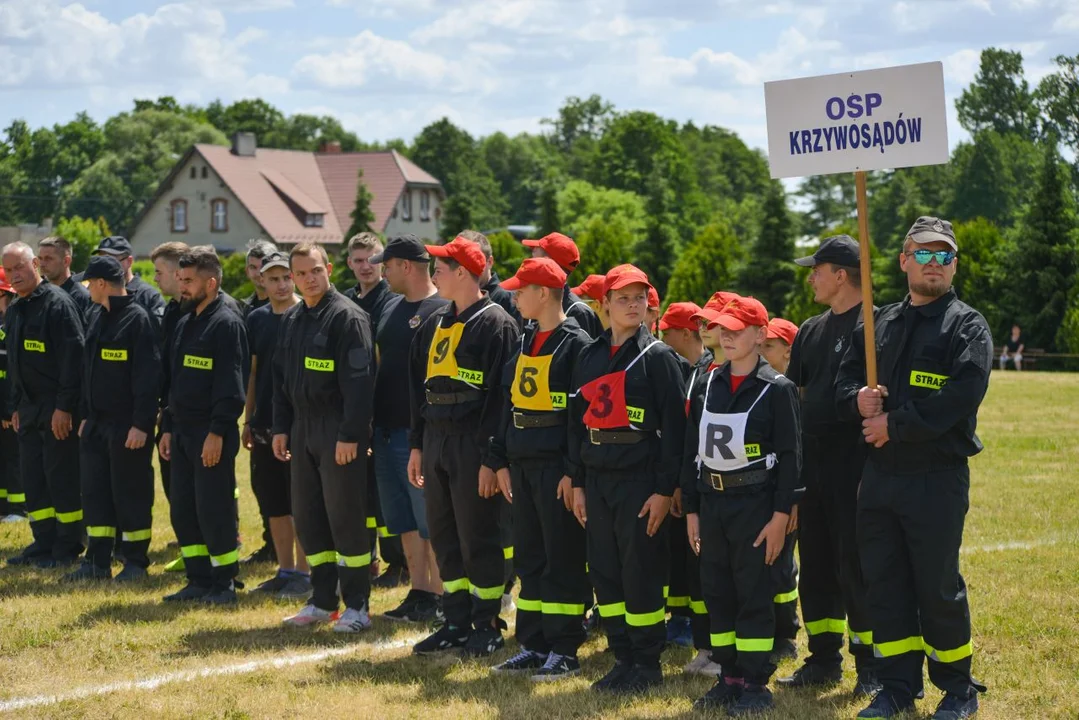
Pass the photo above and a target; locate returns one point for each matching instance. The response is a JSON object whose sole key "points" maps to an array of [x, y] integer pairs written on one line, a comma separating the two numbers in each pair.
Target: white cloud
{"points": [[961, 66]]}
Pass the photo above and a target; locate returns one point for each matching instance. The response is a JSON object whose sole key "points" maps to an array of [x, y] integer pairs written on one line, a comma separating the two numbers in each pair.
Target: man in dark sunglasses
{"points": [[934, 353]]}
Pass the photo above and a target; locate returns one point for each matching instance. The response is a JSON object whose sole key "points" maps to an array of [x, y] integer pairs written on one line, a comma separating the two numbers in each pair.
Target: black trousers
{"points": [[738, 586], [550, 562], [627, 567], [464, 529], [684, 597], [50, 478], [203, 506], [910, 528], [117, 494], [388, 546], [329, 509], [785, 585], [12, 498], [505, 524]]}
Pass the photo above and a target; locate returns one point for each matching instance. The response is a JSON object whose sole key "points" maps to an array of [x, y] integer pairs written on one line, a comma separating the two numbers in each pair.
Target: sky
{"points": [[387, 68]]}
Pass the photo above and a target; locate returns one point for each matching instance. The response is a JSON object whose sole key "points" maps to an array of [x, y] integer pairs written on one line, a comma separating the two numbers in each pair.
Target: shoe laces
{"points": [[523, 656], [952, 702], [553, 661]]}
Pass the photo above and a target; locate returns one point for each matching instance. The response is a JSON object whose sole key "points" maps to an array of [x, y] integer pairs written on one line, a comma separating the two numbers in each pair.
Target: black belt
{"points": [[454, 398], [615, 437], [727, 481], [542, 420]]}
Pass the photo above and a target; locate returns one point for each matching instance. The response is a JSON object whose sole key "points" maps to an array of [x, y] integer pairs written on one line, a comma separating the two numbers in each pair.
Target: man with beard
{"points": [[54, 256]]}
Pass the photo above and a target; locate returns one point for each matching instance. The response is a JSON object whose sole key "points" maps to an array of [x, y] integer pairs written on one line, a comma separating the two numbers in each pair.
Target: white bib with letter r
{"points": [[721, 438]]}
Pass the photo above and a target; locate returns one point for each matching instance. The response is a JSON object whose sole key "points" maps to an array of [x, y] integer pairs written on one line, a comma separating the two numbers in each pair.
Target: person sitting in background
{"points": [[1013, 346]]}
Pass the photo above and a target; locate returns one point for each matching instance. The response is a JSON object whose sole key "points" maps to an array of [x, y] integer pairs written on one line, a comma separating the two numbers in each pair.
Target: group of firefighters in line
{"points": [[521, 427]]}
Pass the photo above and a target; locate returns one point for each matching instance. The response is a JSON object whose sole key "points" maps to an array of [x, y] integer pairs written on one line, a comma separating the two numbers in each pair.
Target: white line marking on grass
{"points": [[1001, 547], [152, 683]]}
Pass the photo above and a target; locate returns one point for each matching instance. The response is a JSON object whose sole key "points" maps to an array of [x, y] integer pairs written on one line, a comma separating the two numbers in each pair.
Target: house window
{"points": [[314, 220], [406, 206], [219, 219], [205, 172], [194, 170], [425, 206], [179, 216]]}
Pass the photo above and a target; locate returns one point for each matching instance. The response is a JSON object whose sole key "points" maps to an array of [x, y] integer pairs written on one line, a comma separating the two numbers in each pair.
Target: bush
{"points": [[145, 270]]}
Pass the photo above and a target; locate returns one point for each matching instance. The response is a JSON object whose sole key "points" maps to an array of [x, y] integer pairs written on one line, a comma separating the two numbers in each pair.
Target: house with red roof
{"points": [[225, 196]]}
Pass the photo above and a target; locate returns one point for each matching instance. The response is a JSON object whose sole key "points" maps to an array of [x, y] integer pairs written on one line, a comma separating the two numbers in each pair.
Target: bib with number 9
{"points": [[442, 355]]}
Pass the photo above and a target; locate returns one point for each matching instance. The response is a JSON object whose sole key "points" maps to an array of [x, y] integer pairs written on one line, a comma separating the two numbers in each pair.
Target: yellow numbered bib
{"points": [[531, 388], [442, 355]]}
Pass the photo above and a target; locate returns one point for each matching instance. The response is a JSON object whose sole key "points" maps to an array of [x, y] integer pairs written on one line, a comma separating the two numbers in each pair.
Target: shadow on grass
{"points": [[258, 640]]}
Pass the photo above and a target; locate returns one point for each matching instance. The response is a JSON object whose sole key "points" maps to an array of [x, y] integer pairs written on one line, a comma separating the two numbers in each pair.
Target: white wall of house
{"points": [[409, 218], [199, 192]]}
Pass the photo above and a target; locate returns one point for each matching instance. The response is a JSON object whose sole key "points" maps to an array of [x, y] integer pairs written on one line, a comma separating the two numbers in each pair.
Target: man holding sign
{"points": [[935, 356]]}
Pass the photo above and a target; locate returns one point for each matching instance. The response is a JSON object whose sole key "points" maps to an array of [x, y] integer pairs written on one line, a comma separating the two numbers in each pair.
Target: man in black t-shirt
{"points": [[406, 267], [1013, 348]]}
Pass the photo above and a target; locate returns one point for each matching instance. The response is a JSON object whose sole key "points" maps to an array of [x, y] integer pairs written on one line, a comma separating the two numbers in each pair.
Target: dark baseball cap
{"points": [[927, 229], [114, 245], [274, 259], [839, 250], [104, 267], [402, 247]]}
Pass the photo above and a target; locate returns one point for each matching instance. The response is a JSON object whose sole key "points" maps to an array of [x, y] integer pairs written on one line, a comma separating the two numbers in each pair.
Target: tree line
{"points": [[691, 204]]}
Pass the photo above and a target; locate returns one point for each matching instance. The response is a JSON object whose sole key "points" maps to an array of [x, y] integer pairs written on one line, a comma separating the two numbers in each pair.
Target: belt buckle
{"points": [[517, 424], [713, 477], [592, 436]]}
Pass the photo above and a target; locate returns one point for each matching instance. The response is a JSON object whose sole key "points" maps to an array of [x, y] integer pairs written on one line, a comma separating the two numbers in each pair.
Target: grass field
{"points": [[102, 652]]}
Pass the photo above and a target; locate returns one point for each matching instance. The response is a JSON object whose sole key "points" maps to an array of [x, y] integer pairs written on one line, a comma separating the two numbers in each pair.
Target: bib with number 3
{"points": [[606, 396]]}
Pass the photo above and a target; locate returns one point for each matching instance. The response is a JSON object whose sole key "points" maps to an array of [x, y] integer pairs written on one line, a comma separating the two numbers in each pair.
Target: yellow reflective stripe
{"points": [[135, 535], [827, 625], [100, 531], [562, 608], [42, 514], [69, 517], [3, 494], [754, 644], [698, 607], [645, 619], [198, 363], [860, 638], [236, 493], [787, 597], [372, 523], [489, 593], [678, 601], [16, 498], [529, 605], [666, 591], [318, 364], [354, 561], [229, 558], [507, 552], [612, 609], [897, 647], [722, 639], [452, 586], [321, 558], [947, 656], [384, 532], [193, 551]]}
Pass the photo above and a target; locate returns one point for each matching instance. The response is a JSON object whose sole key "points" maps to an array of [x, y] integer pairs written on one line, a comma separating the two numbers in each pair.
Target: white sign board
{"points": [[868, 120]]}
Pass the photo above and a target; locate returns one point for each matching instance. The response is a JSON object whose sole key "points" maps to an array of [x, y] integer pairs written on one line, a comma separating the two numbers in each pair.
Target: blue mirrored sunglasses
{"points": [[922, 257]]}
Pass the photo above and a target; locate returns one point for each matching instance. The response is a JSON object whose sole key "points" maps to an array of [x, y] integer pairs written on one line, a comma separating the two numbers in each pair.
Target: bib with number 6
{"points": [[531, 388]]}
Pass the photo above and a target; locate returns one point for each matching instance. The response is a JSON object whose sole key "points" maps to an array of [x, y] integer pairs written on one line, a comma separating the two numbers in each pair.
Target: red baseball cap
{"points": [[781, 329], [5, 286], [717, 302], [622, 275], [467, 253], [741, 313], [592, 287], [544, 272], [559, 248], [679, 315], [653, 298]]}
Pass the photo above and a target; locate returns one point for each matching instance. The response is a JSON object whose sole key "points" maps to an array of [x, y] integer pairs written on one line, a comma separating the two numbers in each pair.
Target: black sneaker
{"points": [[887, 705], [813, 676], [29, 555], [557, 667], [87, 571], [46, 563], [274, 585], [447, 637], [721, 695], [613, 676], [189, 592], [221, 595], [866, 686], [639, 679], [783, 650], [393, 577], [403, 612], [132, 573], [524, 661], [263, 554], [754, 699], [483, 641], [953, 707]]}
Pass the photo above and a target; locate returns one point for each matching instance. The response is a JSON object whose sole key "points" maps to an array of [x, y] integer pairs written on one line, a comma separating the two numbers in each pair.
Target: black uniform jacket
{"points": [[514, 444], [79, 294], [44, 342], [773, 426], [121, 366], [206, 363], [585, 316], [324, 365], [5, 383], [148, 296], [485, 344], [374, 302], [692, 372], [655, 384], [935, 360]]}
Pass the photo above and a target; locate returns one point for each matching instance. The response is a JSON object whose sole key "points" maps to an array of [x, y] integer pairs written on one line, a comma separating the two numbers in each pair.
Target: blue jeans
{"points": [[403, 506]]}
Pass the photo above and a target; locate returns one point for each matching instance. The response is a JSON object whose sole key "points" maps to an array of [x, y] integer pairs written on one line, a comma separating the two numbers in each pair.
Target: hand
{"points": [[871, 401], [245, 437], [875, 430], [693, 531], [505, 484], [773, 536], [488, 483], [676, 503], [211, 450], [656, 508], [61, 424], [6, 424], [579, 509], [136, 438], [15, 420], [346, 452], [415, 468], [164, 446], [82, 426], [565, 492], [792, 523], [280, 447]]}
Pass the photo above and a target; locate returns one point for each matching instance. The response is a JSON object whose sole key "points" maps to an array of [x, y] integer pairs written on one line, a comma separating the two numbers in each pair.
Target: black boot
{"points": [[813, 675]]}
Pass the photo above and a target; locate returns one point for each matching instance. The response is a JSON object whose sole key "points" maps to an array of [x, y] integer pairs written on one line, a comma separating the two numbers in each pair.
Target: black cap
{"points": [[114, 245], [839, 250], [402, 247], [274, 259], [927, 229], [104, 267]]}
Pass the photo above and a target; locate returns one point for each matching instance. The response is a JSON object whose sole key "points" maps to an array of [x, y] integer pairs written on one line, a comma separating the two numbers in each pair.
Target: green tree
{"points": [[993, 177], [999, 98], [604, 243], [577, 130], [234, 276], [520, 166], [979, 277], [769, 273], [254, 116], [657, 252], [1057, 97], [508, 253], [84, 234], [578, 202], [707, 264], [363, 218], [831, 200], [726, 168]]}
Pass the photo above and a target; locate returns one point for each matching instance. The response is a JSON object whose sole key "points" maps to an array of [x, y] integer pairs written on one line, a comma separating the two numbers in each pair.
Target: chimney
{"points": [[243, 144], [330, 146]]}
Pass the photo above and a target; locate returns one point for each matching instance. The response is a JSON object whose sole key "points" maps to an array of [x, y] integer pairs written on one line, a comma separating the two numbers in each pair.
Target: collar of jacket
{"points": [[471, 310], [327, 298], [704, 360], [373, 294], [641, 339], [764, 372], [210, 309], [563, 327], [119, 302], [41, 289], [69, 283], [934, 308]]}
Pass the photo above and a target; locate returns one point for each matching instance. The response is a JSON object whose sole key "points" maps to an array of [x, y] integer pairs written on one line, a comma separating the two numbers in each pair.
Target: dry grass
{"points": [[55, 640]]}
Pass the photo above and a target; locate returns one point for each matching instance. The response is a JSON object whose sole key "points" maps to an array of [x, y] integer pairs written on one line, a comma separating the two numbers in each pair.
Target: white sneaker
{"points": [[508, 606], [353, 620], [702, 665], [308, 616], [13, 518]]}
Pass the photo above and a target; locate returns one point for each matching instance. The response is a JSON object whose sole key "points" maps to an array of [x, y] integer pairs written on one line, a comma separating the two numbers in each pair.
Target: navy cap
{"points": [[114, 245], [839, 250], [402, 247], [104, 267], [927, 229]]}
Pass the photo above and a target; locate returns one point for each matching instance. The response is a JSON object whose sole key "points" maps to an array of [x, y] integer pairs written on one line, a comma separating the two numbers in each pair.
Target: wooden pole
{"points": [[867, 283]]}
